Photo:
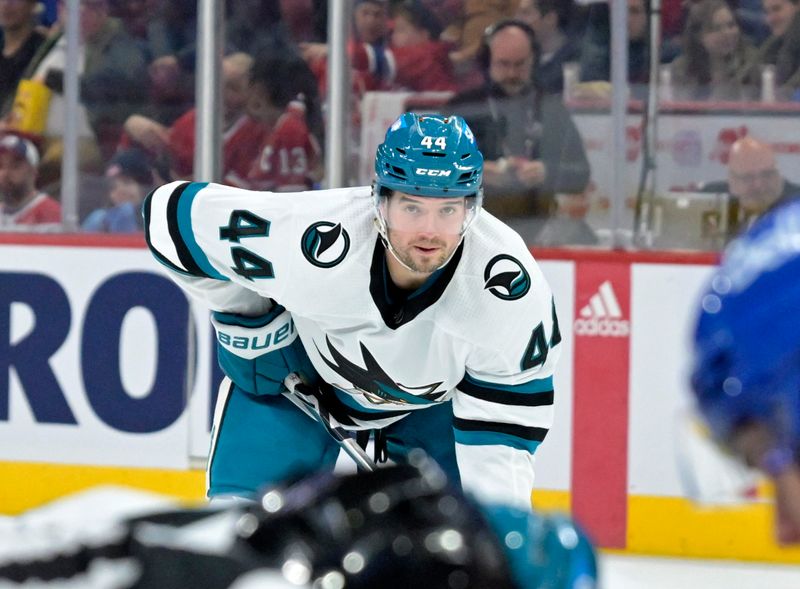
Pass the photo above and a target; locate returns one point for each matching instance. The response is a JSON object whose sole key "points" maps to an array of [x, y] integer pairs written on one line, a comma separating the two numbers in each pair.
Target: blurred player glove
{"points": [[257, 353]]}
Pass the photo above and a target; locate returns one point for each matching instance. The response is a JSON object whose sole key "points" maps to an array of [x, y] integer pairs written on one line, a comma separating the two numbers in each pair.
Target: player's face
{"points": [[752, 443], [424, 232]]}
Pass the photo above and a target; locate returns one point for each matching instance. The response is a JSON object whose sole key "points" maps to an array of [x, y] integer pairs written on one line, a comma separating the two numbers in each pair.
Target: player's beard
{"points": [[419, 263]]}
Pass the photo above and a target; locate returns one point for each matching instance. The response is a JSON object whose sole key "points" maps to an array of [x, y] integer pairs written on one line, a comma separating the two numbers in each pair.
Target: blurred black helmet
{"points": [[397, 527]]}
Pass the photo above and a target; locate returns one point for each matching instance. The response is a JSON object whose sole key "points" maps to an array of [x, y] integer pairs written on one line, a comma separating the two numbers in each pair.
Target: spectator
{"points": [[283, 99], [717, 62], [305, 19], [752, 19], [531, 145], [467, 32], [172, 32], [171, 35], [417, 59], [371, 22], [370, 35], [112, 70], [22, 206], [135, 16], [779, 15], [176, 145], [549, 20], [256, 27], [20, 41], [754, 182], [130, 178], [596, 49], [782, 48]]}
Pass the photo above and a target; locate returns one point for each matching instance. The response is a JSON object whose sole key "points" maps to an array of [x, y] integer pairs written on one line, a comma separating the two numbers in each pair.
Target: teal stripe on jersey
{"points": [[185, 227], [486, 438], [537, 385]]}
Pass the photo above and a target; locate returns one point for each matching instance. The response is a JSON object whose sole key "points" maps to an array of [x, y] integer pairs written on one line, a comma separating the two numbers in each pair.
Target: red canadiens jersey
{"points": [[240, 146], [43, 210], [287, 157], [421, 67]]}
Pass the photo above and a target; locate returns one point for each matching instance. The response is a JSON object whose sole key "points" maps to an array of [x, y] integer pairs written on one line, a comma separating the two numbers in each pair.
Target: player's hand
{"points": [[307, 394], [257, 353]]}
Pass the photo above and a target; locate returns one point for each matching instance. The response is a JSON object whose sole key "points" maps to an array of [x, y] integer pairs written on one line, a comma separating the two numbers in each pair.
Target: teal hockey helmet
{"points": [[430, 155]]}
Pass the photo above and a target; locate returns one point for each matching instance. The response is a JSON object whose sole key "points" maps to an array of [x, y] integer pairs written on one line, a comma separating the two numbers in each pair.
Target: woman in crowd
{"points": [[718, 62]]}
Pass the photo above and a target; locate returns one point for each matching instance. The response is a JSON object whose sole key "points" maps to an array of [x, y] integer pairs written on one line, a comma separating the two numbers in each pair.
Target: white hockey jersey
{"points": [[482, 332]]}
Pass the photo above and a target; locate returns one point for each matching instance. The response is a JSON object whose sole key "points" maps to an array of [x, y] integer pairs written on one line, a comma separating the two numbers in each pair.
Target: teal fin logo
{"points": [[506, 278], [325, 244]]}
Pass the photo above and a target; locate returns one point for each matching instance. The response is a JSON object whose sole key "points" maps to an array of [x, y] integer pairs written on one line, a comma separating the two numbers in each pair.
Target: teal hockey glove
{"points": [[257, 353]]}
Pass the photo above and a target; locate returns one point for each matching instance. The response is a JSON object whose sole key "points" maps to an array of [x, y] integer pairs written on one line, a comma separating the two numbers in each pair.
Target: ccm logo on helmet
{"points": [[427, 172]]}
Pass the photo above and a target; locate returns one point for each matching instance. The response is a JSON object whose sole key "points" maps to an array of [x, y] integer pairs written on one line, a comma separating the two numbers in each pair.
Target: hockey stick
{"points": [[348, 444]]}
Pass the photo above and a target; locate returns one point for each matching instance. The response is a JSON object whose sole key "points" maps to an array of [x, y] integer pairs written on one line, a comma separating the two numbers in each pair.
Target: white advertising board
{"points": [[95, 359]]}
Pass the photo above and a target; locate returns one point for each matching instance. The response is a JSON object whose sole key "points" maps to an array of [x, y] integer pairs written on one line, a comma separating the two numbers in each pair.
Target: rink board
{"points": [[97, 387]]}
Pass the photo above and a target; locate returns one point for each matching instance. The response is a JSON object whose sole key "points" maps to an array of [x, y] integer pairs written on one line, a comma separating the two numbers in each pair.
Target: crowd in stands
{"points": [[137, 85]]}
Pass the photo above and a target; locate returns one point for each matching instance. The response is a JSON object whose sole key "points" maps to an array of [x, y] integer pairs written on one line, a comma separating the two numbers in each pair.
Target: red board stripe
{"points": [[600, 409]]}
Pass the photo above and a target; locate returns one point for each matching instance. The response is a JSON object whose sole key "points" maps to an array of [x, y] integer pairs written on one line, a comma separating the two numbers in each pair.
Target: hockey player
{"points": [[747, 354], [416, 314]]}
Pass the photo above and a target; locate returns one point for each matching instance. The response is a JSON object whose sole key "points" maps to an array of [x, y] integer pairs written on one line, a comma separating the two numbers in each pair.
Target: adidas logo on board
{"points": [[602, 316]]}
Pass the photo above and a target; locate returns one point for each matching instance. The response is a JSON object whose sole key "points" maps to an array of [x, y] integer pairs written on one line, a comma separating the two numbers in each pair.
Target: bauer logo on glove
{"points": [[252, 341], [257, 353]]}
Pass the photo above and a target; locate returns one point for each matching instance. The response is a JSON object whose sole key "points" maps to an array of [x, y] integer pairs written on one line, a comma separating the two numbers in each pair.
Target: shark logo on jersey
{"points": [[325, 244], [375, 384], [506, 278]]}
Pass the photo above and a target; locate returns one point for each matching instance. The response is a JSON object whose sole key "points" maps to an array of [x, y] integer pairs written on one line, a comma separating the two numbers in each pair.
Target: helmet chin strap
{"points": [[382, 231]]}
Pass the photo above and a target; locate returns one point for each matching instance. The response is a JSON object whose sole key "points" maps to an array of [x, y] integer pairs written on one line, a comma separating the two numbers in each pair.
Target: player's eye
{"points": [[411, 209], [447, 211]]}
